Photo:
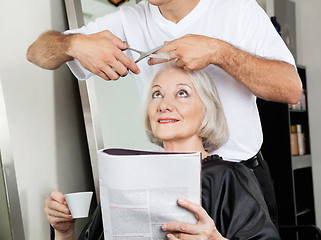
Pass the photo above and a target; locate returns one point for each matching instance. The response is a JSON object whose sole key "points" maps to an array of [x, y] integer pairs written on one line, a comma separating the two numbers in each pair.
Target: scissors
{"points": [[149, 53]]}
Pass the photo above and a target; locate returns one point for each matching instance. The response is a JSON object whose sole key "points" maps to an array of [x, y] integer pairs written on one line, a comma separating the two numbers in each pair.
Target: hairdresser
{"points": [[233, 39]]}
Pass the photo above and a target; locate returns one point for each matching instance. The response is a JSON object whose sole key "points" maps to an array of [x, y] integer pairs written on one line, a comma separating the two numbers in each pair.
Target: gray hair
{"points": [[213, 130]]}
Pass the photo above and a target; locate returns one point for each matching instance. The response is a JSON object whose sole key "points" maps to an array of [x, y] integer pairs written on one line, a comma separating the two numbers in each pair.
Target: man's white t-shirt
{"points": [[241, 23]]}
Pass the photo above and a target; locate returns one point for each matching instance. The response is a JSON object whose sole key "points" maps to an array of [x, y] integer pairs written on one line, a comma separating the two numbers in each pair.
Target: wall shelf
{"points": [[298, 111], [307, 210], [303, 161], [292, 175]]}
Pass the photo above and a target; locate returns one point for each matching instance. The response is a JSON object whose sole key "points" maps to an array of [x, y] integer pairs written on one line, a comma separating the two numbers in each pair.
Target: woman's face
{"points": [[175, 110]]}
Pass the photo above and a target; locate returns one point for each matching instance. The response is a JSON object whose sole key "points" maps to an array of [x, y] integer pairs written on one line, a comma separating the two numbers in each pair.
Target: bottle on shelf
{"points": [[301, 143], [294, 141], [301, 105], [303, 101]]}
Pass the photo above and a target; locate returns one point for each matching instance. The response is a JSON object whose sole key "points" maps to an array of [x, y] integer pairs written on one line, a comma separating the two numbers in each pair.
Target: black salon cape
{"points": [[230, 195]]}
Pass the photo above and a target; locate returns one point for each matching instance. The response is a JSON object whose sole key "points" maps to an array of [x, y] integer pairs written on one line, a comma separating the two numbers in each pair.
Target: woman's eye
{"points": [[157, 94], [182, 93]]}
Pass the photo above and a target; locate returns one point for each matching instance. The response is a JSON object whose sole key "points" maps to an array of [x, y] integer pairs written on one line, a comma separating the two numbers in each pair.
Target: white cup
{"points": [[79, 203]]}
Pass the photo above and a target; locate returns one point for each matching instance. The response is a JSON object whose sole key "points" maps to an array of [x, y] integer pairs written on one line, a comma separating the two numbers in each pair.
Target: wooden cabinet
{"points": [[292, 175]]}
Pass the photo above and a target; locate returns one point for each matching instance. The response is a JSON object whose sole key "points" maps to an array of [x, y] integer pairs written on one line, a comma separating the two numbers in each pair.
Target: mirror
{"points": [[117, 101], [10, 213], [108, 105]]}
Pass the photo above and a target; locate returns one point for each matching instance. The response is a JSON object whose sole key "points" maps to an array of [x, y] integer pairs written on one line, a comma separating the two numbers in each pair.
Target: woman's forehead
{"points": [[172, 77]]}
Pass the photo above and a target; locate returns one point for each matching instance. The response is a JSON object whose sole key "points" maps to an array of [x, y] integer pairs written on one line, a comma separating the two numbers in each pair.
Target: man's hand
{"points": [[271, 80], [203, 229], [193, 52], [101, 53]]}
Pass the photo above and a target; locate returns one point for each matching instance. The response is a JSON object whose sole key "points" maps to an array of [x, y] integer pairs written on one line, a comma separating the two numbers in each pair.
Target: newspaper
{"points": [[139, 191]]}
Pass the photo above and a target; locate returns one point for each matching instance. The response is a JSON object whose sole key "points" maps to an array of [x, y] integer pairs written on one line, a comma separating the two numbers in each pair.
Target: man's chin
{"points": [[156, 2]]}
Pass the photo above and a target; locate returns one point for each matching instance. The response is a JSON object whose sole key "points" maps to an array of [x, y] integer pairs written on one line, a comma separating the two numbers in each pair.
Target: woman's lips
{"points": [[166, 120]]}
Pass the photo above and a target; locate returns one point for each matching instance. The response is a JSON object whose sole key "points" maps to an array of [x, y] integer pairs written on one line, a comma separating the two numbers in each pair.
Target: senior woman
{"points": [[183, 113]]}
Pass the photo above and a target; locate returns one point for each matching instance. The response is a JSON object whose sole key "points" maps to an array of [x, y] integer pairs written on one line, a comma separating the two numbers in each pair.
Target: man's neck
{"points": [[176, 10]]}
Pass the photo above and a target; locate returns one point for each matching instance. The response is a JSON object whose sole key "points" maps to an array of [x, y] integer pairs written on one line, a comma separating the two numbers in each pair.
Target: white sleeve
{"points": [[111, 22], [261, 37]]}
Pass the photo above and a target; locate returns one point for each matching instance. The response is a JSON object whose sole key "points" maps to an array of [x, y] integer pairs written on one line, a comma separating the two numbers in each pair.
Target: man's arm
{"points": [[100, 53], [268, 79], [271, 80], [50, 50]]}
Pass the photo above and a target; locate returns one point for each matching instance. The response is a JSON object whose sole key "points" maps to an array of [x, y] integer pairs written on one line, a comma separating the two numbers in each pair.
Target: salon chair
{"points": [[304, 232]]}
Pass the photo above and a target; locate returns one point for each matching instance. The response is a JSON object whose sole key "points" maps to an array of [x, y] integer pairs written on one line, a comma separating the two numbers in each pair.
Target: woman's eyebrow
{"points": [[156, 85], [183, 84]]}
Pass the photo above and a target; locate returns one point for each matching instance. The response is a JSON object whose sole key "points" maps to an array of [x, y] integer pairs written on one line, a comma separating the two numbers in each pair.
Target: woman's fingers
{"points": [[56, 210], [54, 220], [57, 196], [204, 228], [180, 227], [180, 236], [199, 212], [55, 213], [56, 202]]}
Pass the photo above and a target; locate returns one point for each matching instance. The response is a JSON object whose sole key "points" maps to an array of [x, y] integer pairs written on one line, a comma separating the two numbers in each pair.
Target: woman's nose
{"points": [[166, 105]]}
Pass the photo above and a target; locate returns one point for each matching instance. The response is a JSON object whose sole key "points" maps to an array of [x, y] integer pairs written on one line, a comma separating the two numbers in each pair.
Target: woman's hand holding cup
{"points": [[58, 214]]}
